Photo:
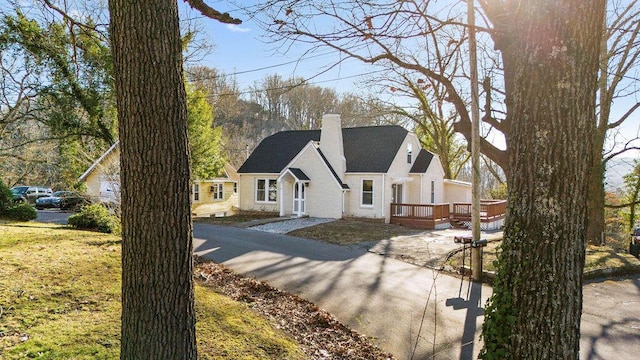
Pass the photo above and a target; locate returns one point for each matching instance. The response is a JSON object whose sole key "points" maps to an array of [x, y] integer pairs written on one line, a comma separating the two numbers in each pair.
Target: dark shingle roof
{"points": [[333, 171], [276, 151], [299, 174], [422, 162], [373, 148], [366, 149]]}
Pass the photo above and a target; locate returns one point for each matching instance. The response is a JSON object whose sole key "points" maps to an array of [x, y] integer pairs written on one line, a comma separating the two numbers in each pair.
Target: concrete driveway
{"points": [[411, 311]]}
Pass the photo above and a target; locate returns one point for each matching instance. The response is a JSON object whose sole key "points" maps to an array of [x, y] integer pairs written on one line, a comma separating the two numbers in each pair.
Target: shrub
{"points": [[95, 217], [6, 198], [20, 212]]}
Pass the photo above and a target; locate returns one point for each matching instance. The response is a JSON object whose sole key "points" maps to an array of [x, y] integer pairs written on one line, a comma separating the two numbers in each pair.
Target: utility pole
{"points": [[476, 251]]}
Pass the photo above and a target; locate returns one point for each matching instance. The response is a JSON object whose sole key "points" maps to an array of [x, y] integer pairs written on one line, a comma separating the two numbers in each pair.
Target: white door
{"points": [[397, 197], [299, 198]]}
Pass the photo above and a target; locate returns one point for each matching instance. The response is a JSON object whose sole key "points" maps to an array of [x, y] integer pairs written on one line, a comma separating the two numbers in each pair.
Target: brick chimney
{"points": [[331, 143]]}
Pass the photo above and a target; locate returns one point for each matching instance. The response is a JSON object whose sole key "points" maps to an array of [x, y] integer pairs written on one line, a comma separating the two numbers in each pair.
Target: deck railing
{"points": [[420, 215], [490, 210], [428, 216]]}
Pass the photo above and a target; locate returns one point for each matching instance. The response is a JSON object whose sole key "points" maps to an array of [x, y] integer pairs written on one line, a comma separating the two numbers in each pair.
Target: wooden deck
{"points": [[432, 216], [490, 210], [423, 216]]}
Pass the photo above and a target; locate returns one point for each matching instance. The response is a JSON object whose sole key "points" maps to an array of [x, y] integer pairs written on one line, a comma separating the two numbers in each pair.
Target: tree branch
{"points": [[212, 13], [620, 206]]}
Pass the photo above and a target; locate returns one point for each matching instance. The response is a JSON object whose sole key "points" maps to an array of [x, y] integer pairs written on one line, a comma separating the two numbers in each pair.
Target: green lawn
{"points": [[60, 299], [599, 260]]}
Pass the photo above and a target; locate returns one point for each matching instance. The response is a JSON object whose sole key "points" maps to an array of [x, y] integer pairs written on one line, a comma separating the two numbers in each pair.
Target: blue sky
{"points": [[243, 50]]}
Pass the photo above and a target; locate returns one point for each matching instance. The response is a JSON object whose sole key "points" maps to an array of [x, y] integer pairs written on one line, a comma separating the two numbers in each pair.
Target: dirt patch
{"points": [[320, 335], [353, 231]]}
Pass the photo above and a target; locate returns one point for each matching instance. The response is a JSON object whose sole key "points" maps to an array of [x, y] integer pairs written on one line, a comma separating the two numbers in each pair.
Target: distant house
{"points": [[209, 197], [350, 172], [217, 196], [102, 178]]}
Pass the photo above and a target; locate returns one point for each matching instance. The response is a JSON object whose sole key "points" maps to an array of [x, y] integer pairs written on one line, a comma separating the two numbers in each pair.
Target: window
{"points": [[367, 193], [266, 190], [217, 191], [235, 188], [433, 192], [196, 192], [409, 151]]}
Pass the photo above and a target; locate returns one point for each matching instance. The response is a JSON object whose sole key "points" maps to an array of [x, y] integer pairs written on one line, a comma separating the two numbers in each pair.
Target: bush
{"points": [[95, 217], [20, 212], [6, 198]]}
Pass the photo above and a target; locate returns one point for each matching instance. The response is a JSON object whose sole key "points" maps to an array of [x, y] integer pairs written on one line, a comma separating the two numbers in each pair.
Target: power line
{"points": [[261, 68], [290, 87]]}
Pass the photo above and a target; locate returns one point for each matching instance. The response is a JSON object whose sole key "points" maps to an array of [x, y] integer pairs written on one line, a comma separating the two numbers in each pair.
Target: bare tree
{"points": [[619, 58], [422, 38], [550, 53]]}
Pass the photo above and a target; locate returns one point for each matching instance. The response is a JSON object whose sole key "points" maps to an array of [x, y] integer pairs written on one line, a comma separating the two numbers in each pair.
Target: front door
{"points": [[299, 198], [396, 198]]}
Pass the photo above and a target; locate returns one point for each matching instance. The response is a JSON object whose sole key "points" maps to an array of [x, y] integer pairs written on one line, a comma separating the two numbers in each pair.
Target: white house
{"points": [[340, 172]]}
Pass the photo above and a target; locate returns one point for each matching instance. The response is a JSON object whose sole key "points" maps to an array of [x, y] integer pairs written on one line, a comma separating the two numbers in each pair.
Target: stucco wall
{"points": [[436, 174], [457, 191], [353, 198], [247, 192]]}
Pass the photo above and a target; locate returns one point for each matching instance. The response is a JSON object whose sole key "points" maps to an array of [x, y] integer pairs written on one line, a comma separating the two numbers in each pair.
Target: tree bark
{"points": [[158, 318], [550, 52], [596, 196]]}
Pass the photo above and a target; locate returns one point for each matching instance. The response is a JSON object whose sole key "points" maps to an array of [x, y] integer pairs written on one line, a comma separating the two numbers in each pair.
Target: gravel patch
{"points": [[430, 248], [283, 227]]}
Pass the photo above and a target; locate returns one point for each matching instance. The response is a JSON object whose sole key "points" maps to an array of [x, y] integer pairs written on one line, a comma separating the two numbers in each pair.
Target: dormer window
{"points": [[409, 150]]}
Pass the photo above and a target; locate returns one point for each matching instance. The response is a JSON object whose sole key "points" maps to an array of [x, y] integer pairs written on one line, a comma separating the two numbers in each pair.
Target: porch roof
{"points": [[298, 174]]}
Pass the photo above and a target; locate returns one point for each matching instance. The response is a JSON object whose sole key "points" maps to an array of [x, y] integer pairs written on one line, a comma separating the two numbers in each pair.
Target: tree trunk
{"points": [[158, 318], [595, 202], [550, 51]]}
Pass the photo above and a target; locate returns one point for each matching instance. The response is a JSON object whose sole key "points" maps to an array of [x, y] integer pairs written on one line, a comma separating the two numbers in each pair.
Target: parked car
{"points": [[634, 244], [52, 201], [29, 194], [74, 201]]}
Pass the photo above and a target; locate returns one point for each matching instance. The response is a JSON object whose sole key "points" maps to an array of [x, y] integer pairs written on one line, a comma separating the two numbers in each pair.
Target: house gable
{"points": [[103, 159], [311, 146]]}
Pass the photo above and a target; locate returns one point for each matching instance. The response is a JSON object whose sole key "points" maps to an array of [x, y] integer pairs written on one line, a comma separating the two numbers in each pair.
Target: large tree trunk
{"points": [[158, 319], [595, 203], [550, 51]]}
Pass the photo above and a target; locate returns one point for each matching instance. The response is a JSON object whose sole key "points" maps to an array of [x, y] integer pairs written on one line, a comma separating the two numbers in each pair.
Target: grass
{"points": [[599, 260], [60, 299], [352, 231]]}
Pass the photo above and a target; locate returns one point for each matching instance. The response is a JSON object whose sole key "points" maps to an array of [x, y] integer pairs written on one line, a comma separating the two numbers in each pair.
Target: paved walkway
{"points": [[285, 226]]}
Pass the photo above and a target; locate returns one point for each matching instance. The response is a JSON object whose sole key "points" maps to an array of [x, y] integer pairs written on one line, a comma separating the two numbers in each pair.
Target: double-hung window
{"points": [[367, 193], [266, 190], [217, 191], [196, 192]]}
